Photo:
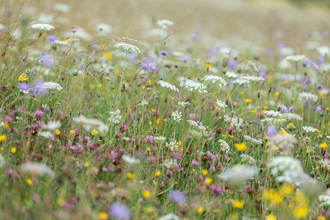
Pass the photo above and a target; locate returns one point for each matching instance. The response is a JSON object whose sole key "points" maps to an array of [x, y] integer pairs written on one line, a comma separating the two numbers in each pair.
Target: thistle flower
{"points": [[168, 85], [43, 27], [37, 168], [127, 47]]}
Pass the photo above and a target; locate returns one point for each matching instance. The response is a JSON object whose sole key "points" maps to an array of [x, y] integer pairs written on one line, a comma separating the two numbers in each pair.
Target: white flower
{"points": [[61, 7], [176, 116], [290, 116], [221, 104], [91, 122], [128, 47], [253, 66], [43, 27], [164, 23], [49, 85], [160, 139], [52, 125], [309, 129], [168, 85], [274, 121], [193, 86], [307, 96], [130, 160], [183, 104], [115, 117], [224, 146], [215, 79], [248, 159], [172, 145], [105, 29], [170, 163], [296, 58], [273, 114], [231, 74], [2, 161], [238, 174], [234, 121], [45, 134], [253, 140], [282, 141], [253, 79], [325, 199], [192, 123], [143, 102], [170, 216], [323, 50], [37, 169], [241, 82]]}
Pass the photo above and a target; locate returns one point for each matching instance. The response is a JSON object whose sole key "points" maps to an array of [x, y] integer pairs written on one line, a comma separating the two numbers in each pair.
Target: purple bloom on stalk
{"points": [[163, 53], [73, 30], [38, 114], [308, 62], [185, 58], [96, 47], [320, 60], [194, 163], [316, 67], [285, 77], [215, 190], [319, 87], [195, 36], [145, 66], [123, 127], [271, 131], [153, 68], [119, 211], [51, 39], [24, 87], [149, 139], [319, 110], [46, 60], [285, 109], [231, 64], [177, 196]]}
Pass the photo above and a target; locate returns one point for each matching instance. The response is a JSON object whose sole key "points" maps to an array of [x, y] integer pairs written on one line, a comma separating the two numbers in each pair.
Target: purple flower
{"points": [[320, 60], [231, 64], [46, 60], [319, 110], [281, 45], [145, 66], [194, 163], [316, 67], [96, 47], [131, 58], [195, 36], [285, 77], [176, 196], [238, 100], [153, 68], [215, 190], [149, 139], [319, 87], [308, 62], [51, 38], [24, 87], [38, 114], [123, 127], [163, 53], [185, 58], [119, 211], [271, 131], [285, 109], [73, 30]]}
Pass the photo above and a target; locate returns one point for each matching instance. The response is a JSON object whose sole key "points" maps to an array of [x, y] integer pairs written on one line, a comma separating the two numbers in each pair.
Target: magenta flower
{"points": [[215, 190], [149, 139], [194, 163], [38, 114]]}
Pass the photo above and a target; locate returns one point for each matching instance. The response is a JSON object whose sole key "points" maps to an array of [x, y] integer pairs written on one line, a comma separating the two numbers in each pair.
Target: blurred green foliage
{"points": [[318, 2]]}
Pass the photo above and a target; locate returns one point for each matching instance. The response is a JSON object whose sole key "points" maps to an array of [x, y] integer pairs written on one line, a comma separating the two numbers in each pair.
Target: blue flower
{"points": [[308, 62], [231, 64], [316, 67], [96, 47], [24, 87], [177, 196], [119, 211], [320, 60], [145, 66], [163, 53], [271, 131], [195, 36], [51, 38], [46, 60], [319, 110], [153, 68], [285, 109]]}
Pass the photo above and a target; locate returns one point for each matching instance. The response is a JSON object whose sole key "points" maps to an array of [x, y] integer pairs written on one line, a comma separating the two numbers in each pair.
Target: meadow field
{"points": [[164, 110]]}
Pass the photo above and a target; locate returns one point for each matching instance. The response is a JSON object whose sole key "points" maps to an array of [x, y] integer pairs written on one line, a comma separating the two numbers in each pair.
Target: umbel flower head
{"points": [[237, 175], [37, 169], [128, 47], [43, 27]]}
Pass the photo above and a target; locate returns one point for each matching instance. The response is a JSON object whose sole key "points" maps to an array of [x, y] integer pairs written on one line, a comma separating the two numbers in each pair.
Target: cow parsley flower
{"points": [[176, 116], [170, 216], [247, 159], [253, 140], [282, 141], [253, 66], [274, 121], [232, 75], [307, 96], [290, 116], [296, 58], [43, 27], [168, 85], [273, 114], [241, 82], [37, 169], [183, 104], [234, 121], [172, 145], [127, 47], [143, 102], [215, 79], [221, 104], [115, 117], [164, 23], [309, 129], [193, 86]]}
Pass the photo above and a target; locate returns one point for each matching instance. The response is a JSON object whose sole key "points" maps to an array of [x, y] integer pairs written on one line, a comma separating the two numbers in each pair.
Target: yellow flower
{"points": [[60, 202], [103, 215], [240, 147], [143, 87], [208, 181], [94, 132], [72, 131], [86, 164], [204, 172], [238, 204], [270, 217], [308, 151], [200, 210], [13, 150], [146, 194], [247, 101], [300, 211], [57, 132], [323, 145], [286, 189], [130, 176], [29, 181], [235, 103], [321, 217], [157, 173], [2, 137], [241, 93], [6, 125], [22, 78], [282, 132], [148, 149], [273, 196], [99, 85], [276, 95], [107, 55], [254, 111]]}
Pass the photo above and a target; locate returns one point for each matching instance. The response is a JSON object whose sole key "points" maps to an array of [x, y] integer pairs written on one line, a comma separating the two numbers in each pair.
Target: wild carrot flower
{"points": [[127, 47], [37, 168], [43, 27]]}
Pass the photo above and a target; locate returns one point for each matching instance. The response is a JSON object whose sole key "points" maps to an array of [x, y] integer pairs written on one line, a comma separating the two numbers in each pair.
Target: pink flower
{"points": [[38, 114], [194, 163]]}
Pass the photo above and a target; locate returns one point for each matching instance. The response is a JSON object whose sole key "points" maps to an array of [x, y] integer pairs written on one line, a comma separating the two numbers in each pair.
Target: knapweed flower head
{"points": [[127, 47], [37, 169], [119, 211], [193, 86], [296, 58], [168, 85], [177, 196], [115, 117], [238, 174], [43, 27]]}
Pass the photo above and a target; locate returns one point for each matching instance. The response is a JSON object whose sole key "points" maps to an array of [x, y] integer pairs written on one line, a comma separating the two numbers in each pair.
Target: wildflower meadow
{"points": [[164, 124]]}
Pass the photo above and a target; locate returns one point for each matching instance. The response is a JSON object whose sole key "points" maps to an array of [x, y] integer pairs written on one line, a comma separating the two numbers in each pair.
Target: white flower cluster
{"points": [[127, 47], [115, 117], [253, 66], [307, 96], [50, 85], [164, 23], [247, 159], [290, 169], [241, 82], [252, 79], [224, 146], [2, 161], [43, 27], [183, 104], [52, 125], [274, 121], [45, 134], [290, 116], [238, 174], [193, 86], [172, 145], [309, 129], [168, 85], [325, 163], [253, 140], [88, 123], [273, 114], [130, 160], [143, 102], [325, 199], [37, 169], [232, 75], [282, 141], [221, 104], [160, 139], [296, 58], [234, 121], [215, 79], [176, 116]]}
